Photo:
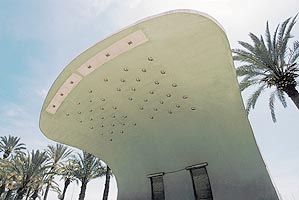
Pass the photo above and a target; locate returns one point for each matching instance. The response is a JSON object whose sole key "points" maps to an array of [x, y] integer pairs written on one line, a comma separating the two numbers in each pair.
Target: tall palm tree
{"points": [[7, 177], [67, 173], [270, 63], [28, 168], [9, 145], [108, 174], [88, 167], [57, 155]]}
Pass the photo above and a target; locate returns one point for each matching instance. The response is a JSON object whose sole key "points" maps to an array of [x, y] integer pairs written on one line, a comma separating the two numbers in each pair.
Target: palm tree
{"points": [[57, 155], [28, 168], [108, 174], [88, 167], [67, 173], [269, 63], [7, 179], [9, 145]]}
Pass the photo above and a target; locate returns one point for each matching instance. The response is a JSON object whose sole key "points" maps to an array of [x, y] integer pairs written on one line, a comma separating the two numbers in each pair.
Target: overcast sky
{"points": [[39, 38]]}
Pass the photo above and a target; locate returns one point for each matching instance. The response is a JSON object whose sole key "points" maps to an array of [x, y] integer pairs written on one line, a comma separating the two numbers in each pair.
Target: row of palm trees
{"points": [[29, 175]]}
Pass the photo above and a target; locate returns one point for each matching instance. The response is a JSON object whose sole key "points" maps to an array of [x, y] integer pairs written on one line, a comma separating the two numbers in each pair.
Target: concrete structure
{"points": [[159, 103]]}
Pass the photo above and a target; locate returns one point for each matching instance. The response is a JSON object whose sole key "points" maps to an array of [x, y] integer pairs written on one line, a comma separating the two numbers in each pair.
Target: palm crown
{"points": [[270, 63], [9, 145]]}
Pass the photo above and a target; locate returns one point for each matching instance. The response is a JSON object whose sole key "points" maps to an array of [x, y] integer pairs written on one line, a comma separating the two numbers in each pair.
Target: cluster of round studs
{"points": [[113, 120]]}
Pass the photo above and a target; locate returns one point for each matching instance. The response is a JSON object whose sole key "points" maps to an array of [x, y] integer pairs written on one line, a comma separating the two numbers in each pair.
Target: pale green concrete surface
{"points": [[195, 54]]}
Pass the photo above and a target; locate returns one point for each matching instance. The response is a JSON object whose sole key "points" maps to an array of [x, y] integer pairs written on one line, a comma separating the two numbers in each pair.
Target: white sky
{"points": [[66, 28]]}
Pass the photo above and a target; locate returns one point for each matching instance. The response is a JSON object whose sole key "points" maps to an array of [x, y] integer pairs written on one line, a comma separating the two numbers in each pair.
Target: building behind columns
{"points": [[159, 102]]}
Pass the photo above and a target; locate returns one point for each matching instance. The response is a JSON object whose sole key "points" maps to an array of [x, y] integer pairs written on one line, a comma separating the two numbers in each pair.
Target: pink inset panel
{"points": [[62, 93]]}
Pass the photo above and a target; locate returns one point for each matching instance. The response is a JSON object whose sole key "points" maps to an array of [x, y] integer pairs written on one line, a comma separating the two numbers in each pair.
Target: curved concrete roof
{"points": [[159, 96]]}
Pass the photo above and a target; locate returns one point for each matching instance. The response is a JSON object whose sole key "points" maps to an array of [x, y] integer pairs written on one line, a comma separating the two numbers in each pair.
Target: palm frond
{"points": [[283, 37], [268, 38], [247, 82], [294, 52], [249, 70], [281, 98], [247, 46], [248, 57], [271, 106], [274, 46], [253, 99], [286, 37]]}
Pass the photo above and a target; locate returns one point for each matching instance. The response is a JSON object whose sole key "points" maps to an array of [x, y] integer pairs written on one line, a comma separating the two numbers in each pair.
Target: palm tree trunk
{"points": [[107, 183], [35, 194], [8, 194], [2, 189], [293, 94], [28, 193], [66, 184], [49, 183], [47, 191], [83, 190], [20, 193]]}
